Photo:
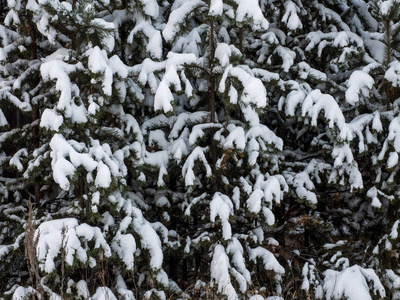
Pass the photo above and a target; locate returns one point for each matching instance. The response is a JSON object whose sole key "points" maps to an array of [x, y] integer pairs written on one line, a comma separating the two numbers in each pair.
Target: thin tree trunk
{"points": [[35, 109], [388, 60], [211, 76], [213, 151]]}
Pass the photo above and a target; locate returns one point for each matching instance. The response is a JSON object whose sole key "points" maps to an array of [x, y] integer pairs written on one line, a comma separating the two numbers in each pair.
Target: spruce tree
{"points": [[201, 149]]}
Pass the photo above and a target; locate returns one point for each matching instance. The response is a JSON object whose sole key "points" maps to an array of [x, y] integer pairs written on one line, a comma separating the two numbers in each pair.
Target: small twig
{"points": [[64, 253]]}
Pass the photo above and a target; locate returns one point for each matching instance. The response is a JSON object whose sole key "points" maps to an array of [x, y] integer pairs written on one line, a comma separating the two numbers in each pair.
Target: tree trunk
{"points": [[211, 76]]}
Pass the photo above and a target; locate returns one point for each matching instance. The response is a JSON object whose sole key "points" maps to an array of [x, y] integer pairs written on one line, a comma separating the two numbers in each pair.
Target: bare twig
{"points": [[31, 251]]}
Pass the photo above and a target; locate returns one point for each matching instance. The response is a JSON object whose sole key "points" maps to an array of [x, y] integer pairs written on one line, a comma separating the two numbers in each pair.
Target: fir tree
{"points": [[199, 149]]}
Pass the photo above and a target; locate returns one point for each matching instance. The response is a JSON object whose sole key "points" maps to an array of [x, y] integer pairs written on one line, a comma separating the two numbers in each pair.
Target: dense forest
{"points": [[199, 149]]}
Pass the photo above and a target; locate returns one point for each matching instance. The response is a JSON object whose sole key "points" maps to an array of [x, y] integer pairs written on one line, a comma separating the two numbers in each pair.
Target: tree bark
{"points": [[211, 76], [388, 60]]}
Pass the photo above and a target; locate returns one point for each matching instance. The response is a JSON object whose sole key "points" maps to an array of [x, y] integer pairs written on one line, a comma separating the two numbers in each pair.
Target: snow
{"points": [[51, 120], [254, 91], [184, 119], [220, 273], [336, 39], [22, 105], [264, 136], [304, 188], [125, 246], [236, 251], [287, 57], [223, 52], [50, 242], [268, 259], [250, 10], [392, 160], [193, 202], [158, 159], [108, 40], [148, 239], [393, 73], [157, 294], [62, 168], [393, 138], [269, 216], [216, 8], [178, 16], [123, 291], [236, 138], [22, 293], [376, 49], [179, 147], [98, 63], [59, 71], [290, 18], [162, 164], [393, 278], [81, 288], [198, 132], [376, 123], [254, 201], [386, 6], [163, 97], [359, 83], [150, 8], [103, 293], [394, 233], [315, 102], [46, 29], [339, 243], [306, 284], [16, 159], [103, 177], [154, 45], [187, 169], [221, 206], [265, 75], [351, 283]]}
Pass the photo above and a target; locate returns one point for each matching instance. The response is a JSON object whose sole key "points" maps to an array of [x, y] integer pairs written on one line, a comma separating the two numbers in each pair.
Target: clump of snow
{"points": [[50, 242], [103, 293], [148, 239], [268, 259], [393, 73], [5, 94], [51, 119], [250, 10], [385, 6], [221, 206], [154, 45], [103, 177], [63, 168], [359, 83], [351, 283], [178, 16], [16, 159], [187, 169], [290, 18], [220, 273], [223, 52], [98, 63], [243, 276], [216, 8], [108, 39], [59, 71], [315, 102], [150, 8], [163, 96]]}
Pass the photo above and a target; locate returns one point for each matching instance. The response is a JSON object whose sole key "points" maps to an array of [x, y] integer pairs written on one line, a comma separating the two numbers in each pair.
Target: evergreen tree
{"points": [[200, 149]]}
